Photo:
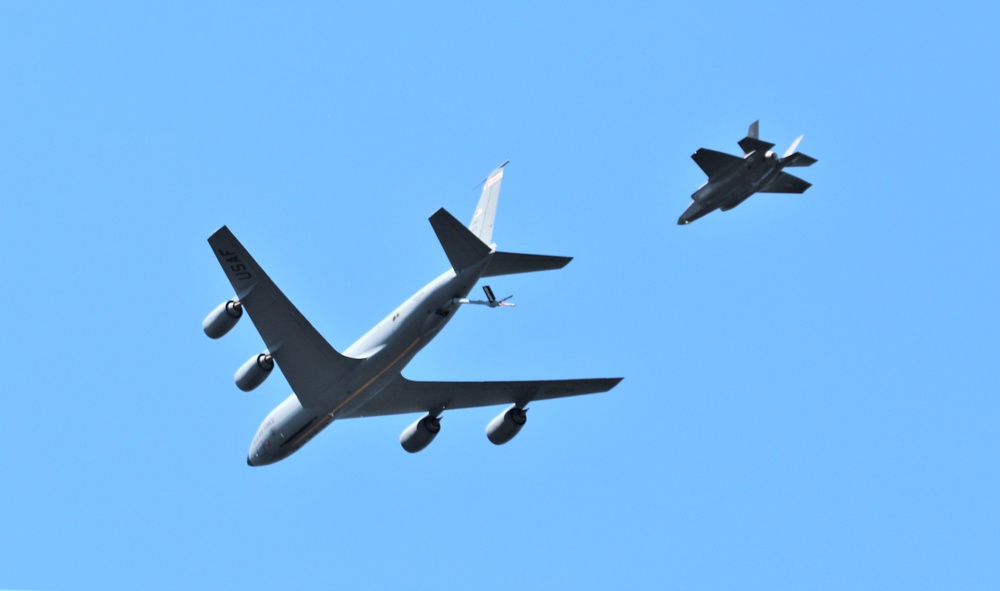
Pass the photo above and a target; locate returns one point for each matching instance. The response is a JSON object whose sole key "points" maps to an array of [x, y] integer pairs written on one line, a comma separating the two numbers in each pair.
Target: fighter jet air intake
{"points": [[365, 379], [732, 179]]}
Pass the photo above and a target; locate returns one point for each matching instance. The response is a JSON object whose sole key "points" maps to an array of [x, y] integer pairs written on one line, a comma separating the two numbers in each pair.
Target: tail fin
{"points": [[466, 247], [486, 211], [752, 143], [793, 158], [791, 148]]}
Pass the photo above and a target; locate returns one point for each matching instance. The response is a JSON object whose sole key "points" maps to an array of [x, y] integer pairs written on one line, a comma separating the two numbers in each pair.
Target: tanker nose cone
{"points": [[249, 463]]}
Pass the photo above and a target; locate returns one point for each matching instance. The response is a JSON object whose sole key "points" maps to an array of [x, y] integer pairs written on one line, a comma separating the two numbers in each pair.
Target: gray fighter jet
{"points": [[731, 179]]}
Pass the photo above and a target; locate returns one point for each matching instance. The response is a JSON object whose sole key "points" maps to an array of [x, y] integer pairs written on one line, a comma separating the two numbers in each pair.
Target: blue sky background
{"points": [[810, 394]]}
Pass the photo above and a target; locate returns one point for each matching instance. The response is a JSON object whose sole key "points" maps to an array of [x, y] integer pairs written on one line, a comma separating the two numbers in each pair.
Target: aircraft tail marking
{"points": [[486, 210], [460, 244]]}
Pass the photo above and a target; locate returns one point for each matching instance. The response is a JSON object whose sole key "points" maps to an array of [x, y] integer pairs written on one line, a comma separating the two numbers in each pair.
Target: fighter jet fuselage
{"points": [[735, 185], [731, 179]]}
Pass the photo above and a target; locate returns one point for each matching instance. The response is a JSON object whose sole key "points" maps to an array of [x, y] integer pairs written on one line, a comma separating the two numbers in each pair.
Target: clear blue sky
{"points": [[810, 395]]}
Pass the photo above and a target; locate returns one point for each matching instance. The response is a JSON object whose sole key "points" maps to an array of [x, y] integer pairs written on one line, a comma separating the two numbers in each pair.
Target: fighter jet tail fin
{"points": [[798, 159], [754, 129]]}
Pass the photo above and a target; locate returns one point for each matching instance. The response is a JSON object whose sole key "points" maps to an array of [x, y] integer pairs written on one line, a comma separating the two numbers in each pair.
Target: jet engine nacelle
{"points": [[222, 319], [506, 425], [254, 372], [420, 434]]}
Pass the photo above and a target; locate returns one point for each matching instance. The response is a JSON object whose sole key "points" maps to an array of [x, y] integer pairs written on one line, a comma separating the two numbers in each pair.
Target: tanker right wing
{"points": [[404, 396]]}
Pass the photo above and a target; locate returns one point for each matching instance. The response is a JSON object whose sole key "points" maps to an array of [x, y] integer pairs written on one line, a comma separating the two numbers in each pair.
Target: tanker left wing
{"points": [[309, 363], [404, 396]]}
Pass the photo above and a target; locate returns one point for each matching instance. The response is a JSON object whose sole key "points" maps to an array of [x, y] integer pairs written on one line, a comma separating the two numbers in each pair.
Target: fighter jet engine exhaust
{"points": [[254, 372], [506, 425], [222, 319], [420, 434]]}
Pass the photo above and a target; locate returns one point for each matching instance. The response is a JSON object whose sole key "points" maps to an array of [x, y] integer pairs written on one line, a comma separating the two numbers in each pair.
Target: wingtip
{"points": [[222, 231]]}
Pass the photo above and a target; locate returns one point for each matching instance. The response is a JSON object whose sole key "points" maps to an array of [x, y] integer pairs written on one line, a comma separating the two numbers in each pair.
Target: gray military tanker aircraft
{"points": [[731, 179], [365, 380]]}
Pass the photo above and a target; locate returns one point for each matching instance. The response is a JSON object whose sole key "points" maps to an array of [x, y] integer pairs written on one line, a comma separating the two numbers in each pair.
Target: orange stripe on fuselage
{"points": [[329, 416]]}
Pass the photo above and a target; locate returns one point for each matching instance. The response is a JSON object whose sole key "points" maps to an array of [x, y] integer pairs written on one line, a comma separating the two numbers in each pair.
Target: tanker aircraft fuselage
{"points": [[366, 380]]}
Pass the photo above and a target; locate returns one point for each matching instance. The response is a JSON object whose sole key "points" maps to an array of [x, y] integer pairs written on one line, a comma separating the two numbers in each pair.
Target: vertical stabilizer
{"points": [[486, 211], [751, 143]]}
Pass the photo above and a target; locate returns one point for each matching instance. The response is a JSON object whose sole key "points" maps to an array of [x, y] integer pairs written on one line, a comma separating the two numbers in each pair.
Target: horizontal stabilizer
{"points": [[798, 159], [786, 183], [751, 144], [462, 247], [510, 263], [712, 162]]}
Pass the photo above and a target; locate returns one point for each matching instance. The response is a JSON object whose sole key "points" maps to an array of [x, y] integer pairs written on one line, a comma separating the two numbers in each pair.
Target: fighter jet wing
{"points": [[712, 162], [308, 362], [786, 183], [404, 396]]}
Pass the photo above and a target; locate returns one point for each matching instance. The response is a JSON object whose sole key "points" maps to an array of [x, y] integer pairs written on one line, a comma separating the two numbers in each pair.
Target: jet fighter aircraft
{"points": [[731, 179], [365, 380]]}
